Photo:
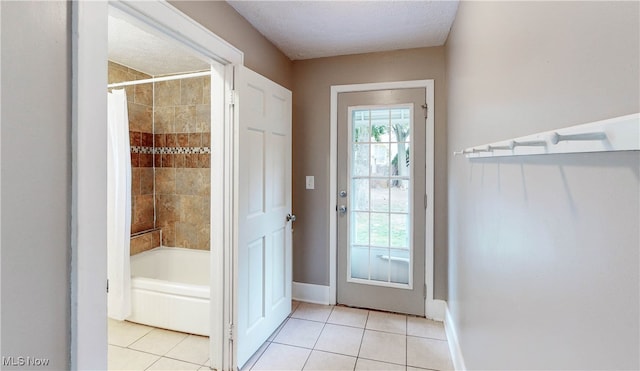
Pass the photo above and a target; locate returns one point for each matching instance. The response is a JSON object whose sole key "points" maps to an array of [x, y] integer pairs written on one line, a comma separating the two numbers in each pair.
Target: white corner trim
{"points": [[452, 339], [309, 293]]}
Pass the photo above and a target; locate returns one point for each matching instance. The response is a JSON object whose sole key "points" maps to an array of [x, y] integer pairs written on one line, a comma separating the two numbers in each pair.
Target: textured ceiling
{"points": [[313, 29], [145, 52], [301, 29]]}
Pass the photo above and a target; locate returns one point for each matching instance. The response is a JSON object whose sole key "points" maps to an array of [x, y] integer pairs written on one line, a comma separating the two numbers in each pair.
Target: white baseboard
{"points": [[435, 309], [317, 294], [452, 339]]}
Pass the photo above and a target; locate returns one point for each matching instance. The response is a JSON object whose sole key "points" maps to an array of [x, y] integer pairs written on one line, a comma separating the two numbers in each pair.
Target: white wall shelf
{"points": [[615, 134]]}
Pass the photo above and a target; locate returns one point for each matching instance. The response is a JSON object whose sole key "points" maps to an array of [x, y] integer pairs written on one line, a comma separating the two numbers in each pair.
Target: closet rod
{"points": [[158, 79]]}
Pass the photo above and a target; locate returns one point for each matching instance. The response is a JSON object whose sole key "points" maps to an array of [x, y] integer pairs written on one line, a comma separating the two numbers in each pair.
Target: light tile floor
{"points": [[313, 337], [138, 347], [320, 337]]}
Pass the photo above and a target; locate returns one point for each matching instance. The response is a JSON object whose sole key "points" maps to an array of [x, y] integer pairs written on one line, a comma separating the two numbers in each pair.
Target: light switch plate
{"points": [[310, 182]]}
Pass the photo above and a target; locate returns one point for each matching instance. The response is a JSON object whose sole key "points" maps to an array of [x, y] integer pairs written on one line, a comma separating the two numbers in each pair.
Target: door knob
{"points": [[291, 218], [343, 194], [342, 209]]}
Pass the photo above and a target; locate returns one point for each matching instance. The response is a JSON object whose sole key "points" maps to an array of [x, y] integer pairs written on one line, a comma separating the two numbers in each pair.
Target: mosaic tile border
{"points": [[170, 150]]}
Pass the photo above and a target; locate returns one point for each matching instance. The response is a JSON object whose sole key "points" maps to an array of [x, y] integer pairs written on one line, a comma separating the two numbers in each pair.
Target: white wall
{"points": [[35, 188], [544, 250]]}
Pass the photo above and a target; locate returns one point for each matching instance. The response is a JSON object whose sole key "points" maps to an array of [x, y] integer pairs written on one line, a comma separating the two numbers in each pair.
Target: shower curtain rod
{"points": [[158, 79]]}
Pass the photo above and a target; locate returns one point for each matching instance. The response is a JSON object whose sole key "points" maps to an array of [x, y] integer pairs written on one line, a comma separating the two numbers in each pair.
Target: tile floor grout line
{"points": [[318, 338], [182, 360], [364, 329], [406, 341], [178, 343], [154, 362], [389, 362], [260, 356], [136, 340], [136, 350]]}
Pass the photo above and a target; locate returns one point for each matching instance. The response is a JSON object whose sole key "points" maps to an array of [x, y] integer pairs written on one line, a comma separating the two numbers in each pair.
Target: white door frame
{"points": [[433, 308], [89, 169]]}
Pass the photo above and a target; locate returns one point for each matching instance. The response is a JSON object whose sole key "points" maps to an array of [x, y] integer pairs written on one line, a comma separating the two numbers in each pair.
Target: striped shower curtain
{"points": [[118, 206]]}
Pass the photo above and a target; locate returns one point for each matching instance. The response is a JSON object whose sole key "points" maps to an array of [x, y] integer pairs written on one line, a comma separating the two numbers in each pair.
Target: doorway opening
{"points": [[89, 263]]}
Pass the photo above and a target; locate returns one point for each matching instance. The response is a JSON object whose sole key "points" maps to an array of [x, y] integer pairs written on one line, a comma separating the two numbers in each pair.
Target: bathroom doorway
{"points": [[159, 273], [89, 37], [90, 46]]}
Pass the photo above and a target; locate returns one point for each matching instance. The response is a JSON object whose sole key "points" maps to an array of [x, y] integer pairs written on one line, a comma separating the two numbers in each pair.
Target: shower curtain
{"points": [[118, 206]]}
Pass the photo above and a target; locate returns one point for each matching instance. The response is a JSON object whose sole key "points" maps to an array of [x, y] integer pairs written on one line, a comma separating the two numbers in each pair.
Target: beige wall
{"points": [[311, 100], [36, 182], [260, 54], [544, 258]]}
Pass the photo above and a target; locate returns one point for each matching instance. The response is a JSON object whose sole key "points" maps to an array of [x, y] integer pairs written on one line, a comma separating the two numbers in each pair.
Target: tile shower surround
{"points": [[169, 167]]}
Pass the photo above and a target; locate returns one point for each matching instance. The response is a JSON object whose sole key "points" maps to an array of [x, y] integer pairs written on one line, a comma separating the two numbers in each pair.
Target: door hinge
{"points": [[232, 97], [231, 332], [107, 285], [426, 201], [424, 292], [425, 107]]}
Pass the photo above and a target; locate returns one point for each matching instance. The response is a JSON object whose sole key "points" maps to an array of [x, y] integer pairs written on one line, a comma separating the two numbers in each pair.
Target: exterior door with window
{"points": [[381, 191]]}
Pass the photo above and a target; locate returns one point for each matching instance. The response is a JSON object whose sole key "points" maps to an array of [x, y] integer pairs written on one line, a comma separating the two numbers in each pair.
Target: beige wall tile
{"points": [[186, 235], [165, 118], [116, 74], [204, 236], [135, 181], [191, 91], [167, 208], [185, 119], [146, 180], [140, 118], [191, 209], [168, 233], [143, 94], [141, 243], [203, 118], [167, 93], [142, 215], [155, 239], [206, 98], [165, 180], [204, 188], [188, 181]]}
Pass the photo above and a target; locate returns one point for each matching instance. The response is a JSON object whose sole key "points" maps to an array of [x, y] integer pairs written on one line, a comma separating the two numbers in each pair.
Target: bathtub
{"points": [[170, 289]]}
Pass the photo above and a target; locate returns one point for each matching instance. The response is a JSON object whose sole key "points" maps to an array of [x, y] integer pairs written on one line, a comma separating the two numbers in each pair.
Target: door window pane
{"points": [[360, 262], [379, 264], [379, 195], [399, 266], [360, 228], [379, 229], [380, 163], [399, 196], [360, 127], [360, 194], [400, 230], [400, 125], [380, 185], [360, 160]]}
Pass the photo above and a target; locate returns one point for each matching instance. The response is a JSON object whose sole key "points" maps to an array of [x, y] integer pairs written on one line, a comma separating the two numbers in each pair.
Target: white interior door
{"points": [[263, 203]]}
